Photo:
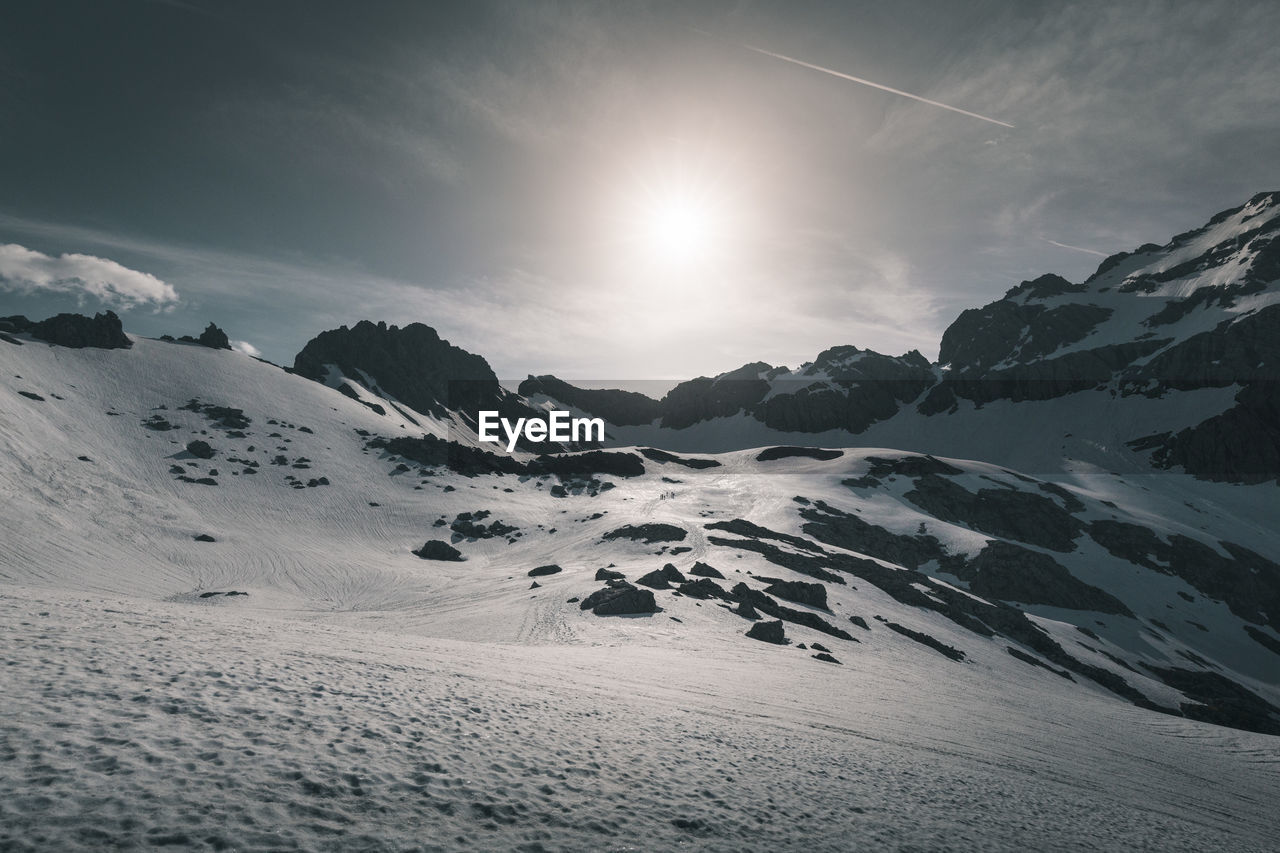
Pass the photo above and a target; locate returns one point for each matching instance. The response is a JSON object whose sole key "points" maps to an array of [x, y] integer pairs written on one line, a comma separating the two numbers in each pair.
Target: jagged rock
{"points": [[436, 549], [823, 656], [413, 365], [104, 331], [768, 632], [662, 578], [702, 570], [609, 575], [542, 571], [214, 338]]}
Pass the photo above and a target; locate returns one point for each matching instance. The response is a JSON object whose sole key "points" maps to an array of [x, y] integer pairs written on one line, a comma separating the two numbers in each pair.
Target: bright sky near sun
{"points": [[610, 191]]}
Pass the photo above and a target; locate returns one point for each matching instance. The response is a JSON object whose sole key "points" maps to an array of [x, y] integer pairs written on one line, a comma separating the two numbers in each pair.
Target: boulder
{"points": [[436, 549], [620, 600], [768, 632], [200, 449]]}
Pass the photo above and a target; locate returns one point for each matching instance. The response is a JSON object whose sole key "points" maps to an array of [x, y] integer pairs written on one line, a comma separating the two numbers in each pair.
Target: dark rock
{"points": [[620, 600], [1012, 573], [104, 331], [30, 396], [823, 656], [654, 580], [542, 571], [860, 622], [535, 585], [623, 408], [702, 570], [435, 452], [1005, 512], [663, 456], [671, 573], [1247, 582], [769, 454], [203, 537], [436, 549], [1218, 699], [200, 449], [812, 594], [846, 530], [818, 647], [1265, 640], [1035, 661], [703, 588], [648, 533], [924, 639], [214, 338], [413, 365], [609, 575], [768, 606], [586, 464], [768, 632]]}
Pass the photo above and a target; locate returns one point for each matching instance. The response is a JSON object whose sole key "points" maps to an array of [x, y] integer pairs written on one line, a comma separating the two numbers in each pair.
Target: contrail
{"points": [[1075, 248], [844, 76]]}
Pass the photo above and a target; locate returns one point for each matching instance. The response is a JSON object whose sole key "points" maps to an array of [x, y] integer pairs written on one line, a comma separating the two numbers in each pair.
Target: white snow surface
{"points": [[358, 698]]}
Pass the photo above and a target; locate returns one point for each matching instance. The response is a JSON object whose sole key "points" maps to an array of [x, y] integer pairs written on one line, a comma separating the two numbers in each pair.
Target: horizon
{"points": [[641, 193]]}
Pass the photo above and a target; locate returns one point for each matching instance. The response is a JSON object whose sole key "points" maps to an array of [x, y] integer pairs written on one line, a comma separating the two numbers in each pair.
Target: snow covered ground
{"points": [[358, 697], [129, 723]]}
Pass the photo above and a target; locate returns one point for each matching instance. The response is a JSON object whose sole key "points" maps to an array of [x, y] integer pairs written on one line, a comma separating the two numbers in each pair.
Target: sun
{"points": [[680, 226]]}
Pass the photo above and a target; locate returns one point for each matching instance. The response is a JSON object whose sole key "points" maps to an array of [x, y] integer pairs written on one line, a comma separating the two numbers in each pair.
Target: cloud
{"points": [[246, 348], [26, 270]]}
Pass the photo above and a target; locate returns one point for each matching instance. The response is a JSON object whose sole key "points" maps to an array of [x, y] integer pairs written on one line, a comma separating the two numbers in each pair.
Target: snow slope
{"points": [[358, 697]]}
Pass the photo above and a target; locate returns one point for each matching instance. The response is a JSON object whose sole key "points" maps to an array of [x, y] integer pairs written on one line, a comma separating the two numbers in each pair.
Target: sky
{"points": [[609, 191]]}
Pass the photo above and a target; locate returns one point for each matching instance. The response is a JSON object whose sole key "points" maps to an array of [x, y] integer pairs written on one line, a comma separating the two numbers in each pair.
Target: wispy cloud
{"points": [[246, 348], [26, 270]]}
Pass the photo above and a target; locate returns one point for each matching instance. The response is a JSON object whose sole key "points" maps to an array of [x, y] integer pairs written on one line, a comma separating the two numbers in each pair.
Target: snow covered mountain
{"points": [[255, 608], [1165, 358]]}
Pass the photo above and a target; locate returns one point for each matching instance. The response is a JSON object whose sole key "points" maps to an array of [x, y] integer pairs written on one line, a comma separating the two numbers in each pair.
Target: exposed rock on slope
{"points": [[103, 331], [413, 365]]}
